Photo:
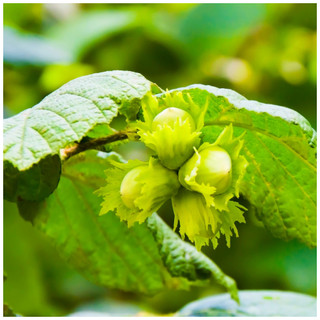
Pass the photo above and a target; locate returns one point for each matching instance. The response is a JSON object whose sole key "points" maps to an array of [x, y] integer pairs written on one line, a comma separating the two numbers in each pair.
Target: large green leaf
{"points": [[254, 304], [65, 117], [220, 27], [280, 146], [93, 27], [145, 258], [30, 49]]}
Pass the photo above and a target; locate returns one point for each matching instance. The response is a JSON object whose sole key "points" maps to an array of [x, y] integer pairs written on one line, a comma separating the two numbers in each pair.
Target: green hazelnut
{"points": [[130, 188], [214, 169], [173, 137], [148, 186], [170, 116]]}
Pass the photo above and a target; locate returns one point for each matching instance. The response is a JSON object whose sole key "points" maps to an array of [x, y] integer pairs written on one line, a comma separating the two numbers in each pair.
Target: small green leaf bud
{"points": [[170, 116], [214, 169]]}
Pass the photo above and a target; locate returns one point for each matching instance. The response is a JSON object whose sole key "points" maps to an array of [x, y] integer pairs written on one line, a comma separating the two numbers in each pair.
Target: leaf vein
{"points": [[266, 184], [60, 116], [24, 133], [88, 99], [111, 245], [285, 169], [42, 137], [127, 83], [69, 222], [293, 178]]}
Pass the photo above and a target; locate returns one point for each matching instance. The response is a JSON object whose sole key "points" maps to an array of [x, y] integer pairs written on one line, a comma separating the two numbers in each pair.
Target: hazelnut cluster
{"points": [[201, 179]]}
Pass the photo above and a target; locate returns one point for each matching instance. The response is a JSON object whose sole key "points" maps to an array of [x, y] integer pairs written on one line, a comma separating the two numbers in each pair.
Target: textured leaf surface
{"points": [[145, 258], [182, 259], [254, 304], [280, 146], [66, 116]]}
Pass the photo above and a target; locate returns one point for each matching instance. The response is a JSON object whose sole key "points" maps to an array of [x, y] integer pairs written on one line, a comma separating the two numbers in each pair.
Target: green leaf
{"points": [[220, 27], [93, 27], [25, 249], [65, 117], [146, 258], [31, 49], [182, 259], [34, 184], [280, 146], [7, 311], [253, 304]]}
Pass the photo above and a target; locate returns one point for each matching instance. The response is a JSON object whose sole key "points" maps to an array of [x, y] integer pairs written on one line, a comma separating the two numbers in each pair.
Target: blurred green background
{"points": [[266, 52]]}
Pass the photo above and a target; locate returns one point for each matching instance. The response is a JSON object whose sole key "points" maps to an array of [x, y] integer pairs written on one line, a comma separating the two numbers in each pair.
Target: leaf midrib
{"points": [[293, 178], [266, 184], [285, 169]]}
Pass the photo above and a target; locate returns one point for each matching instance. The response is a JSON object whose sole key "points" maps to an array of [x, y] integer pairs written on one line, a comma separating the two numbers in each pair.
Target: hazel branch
{"points": [[94, 144]]}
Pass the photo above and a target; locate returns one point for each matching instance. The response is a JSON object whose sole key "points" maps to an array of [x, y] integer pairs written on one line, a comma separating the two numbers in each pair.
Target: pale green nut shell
{"points": [[170, 115], [215, 169], [130, 188], [172, 137], [145, 188]]}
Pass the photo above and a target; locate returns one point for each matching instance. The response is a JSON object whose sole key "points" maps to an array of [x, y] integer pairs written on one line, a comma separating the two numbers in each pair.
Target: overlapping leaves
{"points": [[63, 118], [280, 181], [147, 257], [280, 146]]}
